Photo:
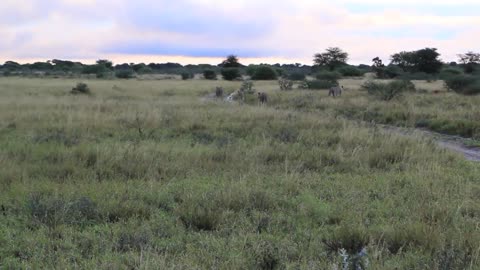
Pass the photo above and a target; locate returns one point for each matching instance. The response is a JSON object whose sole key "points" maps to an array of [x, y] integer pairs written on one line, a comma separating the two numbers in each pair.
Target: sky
{"points": [[258, 31]]}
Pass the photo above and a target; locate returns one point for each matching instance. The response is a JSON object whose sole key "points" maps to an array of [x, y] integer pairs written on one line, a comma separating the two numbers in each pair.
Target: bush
{"points": [[264, 73], [449, 72], [186, 76], [230, 74], [247, 87], [392, 71], [349, 71], [388, 91], [285, 85], [210, 75], [320, 84], [296, 76], [53, 212], [464, 84], [124, 74], [81, 88], [330, 76], [417, 76]]}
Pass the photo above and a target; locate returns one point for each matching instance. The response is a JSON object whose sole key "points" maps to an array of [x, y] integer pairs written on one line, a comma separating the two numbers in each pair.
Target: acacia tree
{"points": [[470, 60], [378, 67], [424, 60], [334, 57], [231, 62]]}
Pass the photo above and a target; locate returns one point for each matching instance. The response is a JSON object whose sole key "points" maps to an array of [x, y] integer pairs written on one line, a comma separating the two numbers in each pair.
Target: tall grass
{"points": [[148, 175]]}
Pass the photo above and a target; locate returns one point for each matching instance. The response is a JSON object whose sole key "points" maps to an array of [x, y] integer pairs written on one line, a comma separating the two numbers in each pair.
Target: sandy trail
{"points": [[452, 143]]}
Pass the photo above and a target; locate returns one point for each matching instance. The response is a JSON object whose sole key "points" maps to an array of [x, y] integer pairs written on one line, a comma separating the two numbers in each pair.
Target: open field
{"points": [[148, 175]]}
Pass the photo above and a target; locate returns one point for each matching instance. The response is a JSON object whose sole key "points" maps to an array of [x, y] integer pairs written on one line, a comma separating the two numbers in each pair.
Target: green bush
{"points": [[417, 76], [264, 73], [330, 76], [124, 74], [388, 91], [349, 71], [186, 76], [297, 76], [449, 72], [210, 75], [393, 71], [464, 84], [320, 84], [230, 74]]}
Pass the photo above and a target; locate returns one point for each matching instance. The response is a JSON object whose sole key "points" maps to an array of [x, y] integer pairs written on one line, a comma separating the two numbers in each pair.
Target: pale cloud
{"points": [[283, 31]]}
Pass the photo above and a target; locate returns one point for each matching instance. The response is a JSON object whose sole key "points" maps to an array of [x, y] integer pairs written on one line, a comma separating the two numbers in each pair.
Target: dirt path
{"points": [[452, 143]]}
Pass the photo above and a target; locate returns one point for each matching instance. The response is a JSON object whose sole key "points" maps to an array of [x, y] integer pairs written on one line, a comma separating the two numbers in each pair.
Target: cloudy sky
{"points": [[204, 31]]}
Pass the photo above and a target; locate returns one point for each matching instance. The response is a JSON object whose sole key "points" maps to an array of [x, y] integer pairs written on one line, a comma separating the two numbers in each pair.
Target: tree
{"points": [[264, 73], [427, 61], [332, 58], [231, 62], [106, 63], [469, 60], [378, 67], [424, 60], [230, 74]]}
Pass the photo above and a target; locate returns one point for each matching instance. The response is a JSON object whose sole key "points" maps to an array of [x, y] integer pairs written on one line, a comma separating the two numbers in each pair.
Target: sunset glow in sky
{"points": [[204, 31]]}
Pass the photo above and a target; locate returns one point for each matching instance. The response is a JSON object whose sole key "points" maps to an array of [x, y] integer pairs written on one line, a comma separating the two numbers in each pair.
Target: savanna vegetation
{"points": [[163, 174]]}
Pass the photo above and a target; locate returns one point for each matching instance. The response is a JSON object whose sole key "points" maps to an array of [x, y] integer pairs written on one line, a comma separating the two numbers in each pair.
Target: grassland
{"points": [[148, 175]]}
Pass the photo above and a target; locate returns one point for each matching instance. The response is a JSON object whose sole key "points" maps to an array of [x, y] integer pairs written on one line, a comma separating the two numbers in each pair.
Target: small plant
{"points": [[285, 85], [388, 91], [81, 88], [210, 75], [247, 87]]}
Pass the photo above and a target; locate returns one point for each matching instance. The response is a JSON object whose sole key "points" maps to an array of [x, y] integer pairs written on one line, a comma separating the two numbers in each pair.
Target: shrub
{"points": [[264, 73], [349, 71], [247, 87], [124, 74], [296, 76], [53, 212], [388, 91], [186, 76], [464, 84], [320, 84], [200, 215], [285, 85], [449, 72], [330, 76], [230, 74], [210, 75], [81, 88], [392, 71]]}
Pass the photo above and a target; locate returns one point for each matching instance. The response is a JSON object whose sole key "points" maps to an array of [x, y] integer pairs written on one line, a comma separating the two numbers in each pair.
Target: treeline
{"points": [[423, 64]]}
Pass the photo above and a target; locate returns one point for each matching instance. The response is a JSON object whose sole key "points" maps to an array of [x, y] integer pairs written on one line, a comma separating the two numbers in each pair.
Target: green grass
{"points": [[148, 175]]}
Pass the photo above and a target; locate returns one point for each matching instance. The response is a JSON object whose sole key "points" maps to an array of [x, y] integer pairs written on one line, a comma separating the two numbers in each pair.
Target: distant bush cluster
{"points": [[464, 84]]}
